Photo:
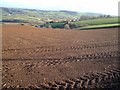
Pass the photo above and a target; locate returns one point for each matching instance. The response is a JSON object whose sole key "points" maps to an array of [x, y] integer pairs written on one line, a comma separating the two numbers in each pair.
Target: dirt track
{"points": [[60, 59]]}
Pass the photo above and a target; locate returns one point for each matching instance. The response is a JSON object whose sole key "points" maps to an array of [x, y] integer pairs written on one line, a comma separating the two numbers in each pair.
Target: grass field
{"points": [[99, 26], [97, 23], [46, 59], [88, 24]]}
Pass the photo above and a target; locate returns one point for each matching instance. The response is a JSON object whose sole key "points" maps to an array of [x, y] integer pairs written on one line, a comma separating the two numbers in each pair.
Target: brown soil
{"points": [[59, 59]]}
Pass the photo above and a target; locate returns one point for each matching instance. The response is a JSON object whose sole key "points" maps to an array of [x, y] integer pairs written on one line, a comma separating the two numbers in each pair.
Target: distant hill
{"points": [[40, 16], [58, 19], [41, 12]]}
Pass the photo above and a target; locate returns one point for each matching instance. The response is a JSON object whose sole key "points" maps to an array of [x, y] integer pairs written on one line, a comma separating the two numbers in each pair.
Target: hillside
{"points": [[58, 19], [39, 16]]}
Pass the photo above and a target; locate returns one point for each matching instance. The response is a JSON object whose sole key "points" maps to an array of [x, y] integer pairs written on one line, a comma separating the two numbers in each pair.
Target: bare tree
{"points": [[67, 26], [49, 26]]}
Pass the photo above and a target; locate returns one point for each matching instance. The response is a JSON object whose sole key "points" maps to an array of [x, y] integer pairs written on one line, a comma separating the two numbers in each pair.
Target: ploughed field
{"points": [[59, 59]]}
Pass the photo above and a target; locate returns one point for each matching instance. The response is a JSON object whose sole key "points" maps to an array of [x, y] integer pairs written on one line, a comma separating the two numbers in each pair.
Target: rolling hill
{"points": [[39, 16]]}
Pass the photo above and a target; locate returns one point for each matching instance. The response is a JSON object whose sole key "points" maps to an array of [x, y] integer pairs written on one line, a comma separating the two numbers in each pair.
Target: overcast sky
{"points": [[97, 6]]}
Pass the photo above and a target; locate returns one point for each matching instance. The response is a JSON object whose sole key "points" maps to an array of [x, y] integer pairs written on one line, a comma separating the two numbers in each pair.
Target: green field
{"points": [[88, 24], [100, 26], [99, 21]]}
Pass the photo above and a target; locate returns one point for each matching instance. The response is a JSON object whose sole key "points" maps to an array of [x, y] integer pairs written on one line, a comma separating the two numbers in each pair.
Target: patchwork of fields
{"points": [[43, 58]]}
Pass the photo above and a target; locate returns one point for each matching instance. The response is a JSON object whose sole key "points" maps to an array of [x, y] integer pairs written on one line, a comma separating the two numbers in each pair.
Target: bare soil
{"points": [[37, 58]]}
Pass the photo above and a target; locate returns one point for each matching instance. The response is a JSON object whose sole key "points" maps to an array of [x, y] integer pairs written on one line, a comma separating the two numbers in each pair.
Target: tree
{"points": [[67, 26], [49, 26]]}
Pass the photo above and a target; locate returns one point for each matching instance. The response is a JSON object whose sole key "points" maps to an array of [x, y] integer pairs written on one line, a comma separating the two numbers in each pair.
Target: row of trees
{"points": [[84, 17], [66, 26], [62, 24]]}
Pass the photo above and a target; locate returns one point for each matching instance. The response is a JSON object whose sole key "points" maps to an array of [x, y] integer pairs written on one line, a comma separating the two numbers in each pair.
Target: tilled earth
{"points": [[34, 58]]}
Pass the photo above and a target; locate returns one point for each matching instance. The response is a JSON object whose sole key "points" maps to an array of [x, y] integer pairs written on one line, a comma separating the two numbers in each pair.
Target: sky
{"points": [[97, 6]]}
